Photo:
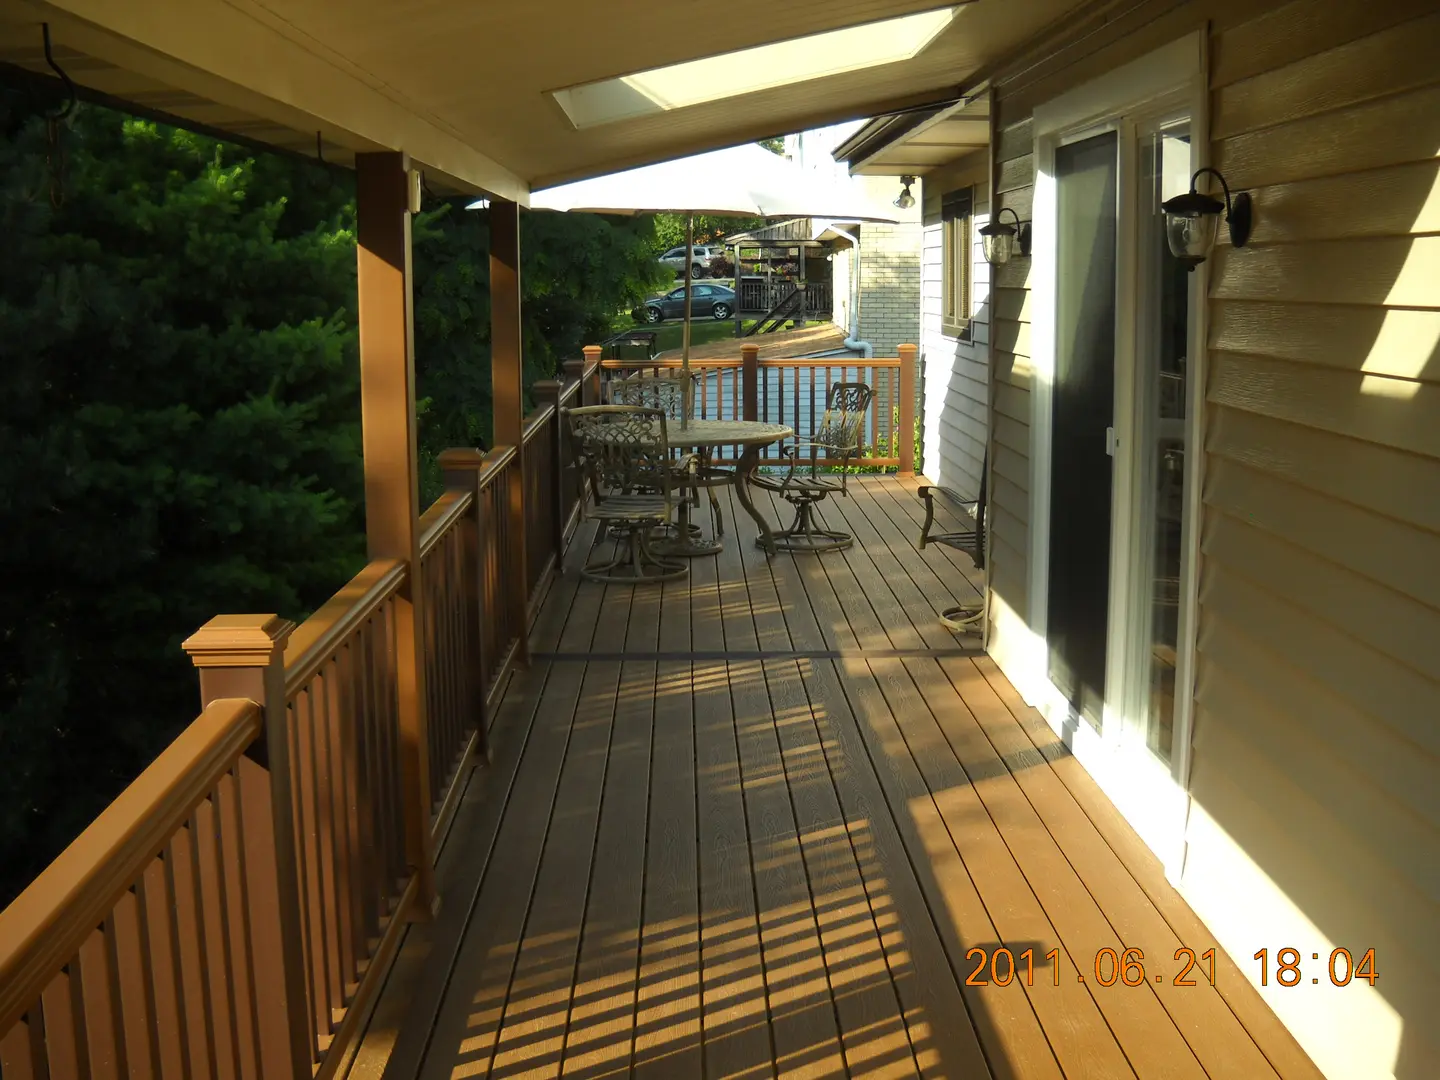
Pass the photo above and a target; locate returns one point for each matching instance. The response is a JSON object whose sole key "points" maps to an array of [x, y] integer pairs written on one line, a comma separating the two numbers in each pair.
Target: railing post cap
{"points": [[461, 458], [749, 347], [592, 351], [238, 641], [907, 348]]}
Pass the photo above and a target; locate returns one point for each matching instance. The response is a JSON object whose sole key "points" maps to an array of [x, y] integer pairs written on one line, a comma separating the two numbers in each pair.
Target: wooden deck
{"points": [[757, 823]]}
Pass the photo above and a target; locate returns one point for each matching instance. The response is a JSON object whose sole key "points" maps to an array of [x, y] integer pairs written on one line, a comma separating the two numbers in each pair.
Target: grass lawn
{"points": [[668, 334]]}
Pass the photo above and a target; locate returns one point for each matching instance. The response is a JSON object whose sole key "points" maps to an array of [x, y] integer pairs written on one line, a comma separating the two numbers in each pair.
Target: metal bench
{"points": [[962, 618]]}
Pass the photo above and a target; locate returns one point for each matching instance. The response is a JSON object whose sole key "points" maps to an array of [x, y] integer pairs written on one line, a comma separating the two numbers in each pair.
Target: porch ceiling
{"points": [[463, 86]]}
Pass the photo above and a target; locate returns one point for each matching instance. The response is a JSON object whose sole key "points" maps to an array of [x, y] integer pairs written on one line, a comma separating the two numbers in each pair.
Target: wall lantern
{"points": [[998, 238], [905, 200], [1191, 220]]}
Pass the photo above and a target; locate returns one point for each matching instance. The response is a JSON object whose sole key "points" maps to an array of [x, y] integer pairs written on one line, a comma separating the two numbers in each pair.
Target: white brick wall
{"points": [[890, 285]]}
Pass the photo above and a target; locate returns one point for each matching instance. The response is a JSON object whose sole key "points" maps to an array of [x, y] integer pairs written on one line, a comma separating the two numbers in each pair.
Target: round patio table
{"points": [[751, 436]]}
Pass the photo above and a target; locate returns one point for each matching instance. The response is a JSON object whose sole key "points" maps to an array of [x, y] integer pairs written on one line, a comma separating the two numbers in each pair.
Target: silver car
{"points": [[699, 259]]}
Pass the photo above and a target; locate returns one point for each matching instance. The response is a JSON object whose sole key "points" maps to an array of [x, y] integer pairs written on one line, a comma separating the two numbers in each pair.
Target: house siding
{"points": [[955, 371], [1315, 775]]}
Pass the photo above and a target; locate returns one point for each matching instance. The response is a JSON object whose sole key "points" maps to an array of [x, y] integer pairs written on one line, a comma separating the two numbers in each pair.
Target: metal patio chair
{"points": [[626, 465], [668, 393], [833, 444]]}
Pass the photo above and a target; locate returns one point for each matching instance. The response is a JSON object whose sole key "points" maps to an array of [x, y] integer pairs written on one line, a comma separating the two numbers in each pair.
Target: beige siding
{"points": [[1316, 751], [1320, 613], [1010, 345], [956, 380]]}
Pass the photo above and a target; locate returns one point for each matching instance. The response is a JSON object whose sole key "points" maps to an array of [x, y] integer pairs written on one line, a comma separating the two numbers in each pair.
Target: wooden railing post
{"points": [[750, 381], [243, 656], [461, 468], [549, 391], [590, 390], [575, 372], [909, 355]]}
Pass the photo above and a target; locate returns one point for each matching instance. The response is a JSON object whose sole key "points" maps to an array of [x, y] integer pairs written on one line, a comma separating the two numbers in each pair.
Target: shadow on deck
{"points": [[775, 819]]}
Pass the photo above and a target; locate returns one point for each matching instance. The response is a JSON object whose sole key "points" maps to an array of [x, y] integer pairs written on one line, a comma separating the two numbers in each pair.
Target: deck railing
{"points": [[234, 911], [794, 392]]}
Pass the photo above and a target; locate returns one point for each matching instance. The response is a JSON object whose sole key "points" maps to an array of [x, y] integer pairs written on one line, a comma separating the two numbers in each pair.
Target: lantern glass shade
{"points": [[998, 245], [1191, 221]]}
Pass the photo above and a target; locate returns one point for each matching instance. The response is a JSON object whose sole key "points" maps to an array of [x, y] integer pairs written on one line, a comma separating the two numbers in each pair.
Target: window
{"points": [[674, 253], [957, 258]]}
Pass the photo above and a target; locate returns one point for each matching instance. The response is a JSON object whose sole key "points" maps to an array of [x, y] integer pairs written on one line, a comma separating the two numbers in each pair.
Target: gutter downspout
{"points": [[852, 342]]}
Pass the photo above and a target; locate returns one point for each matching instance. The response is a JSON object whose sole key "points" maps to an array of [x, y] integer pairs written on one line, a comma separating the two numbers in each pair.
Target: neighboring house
{"points": [[944, 278], [1213, 525]]}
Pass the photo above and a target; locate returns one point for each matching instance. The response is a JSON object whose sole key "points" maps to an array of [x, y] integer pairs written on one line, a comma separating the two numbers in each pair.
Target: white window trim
{"points": [[1178, 68]]}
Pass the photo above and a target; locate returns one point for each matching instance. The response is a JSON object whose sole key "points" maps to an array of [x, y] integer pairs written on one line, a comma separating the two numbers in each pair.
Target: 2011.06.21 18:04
{"points": [[1343, 967]]}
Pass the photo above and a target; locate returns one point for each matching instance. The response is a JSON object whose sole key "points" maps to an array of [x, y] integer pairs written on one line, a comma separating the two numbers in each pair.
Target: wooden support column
{"points": [[392, 485], [905, 430], [750, 381], [243, 656], [507, 394]]}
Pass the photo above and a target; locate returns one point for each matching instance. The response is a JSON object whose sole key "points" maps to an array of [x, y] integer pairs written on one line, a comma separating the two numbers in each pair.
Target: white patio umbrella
{"points": [[743, 180]]}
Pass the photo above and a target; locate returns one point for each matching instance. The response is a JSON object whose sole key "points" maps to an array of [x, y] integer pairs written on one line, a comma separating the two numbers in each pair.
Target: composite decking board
{"points": [[529, 1035], [806, 576], [900, 551], [797, 987], [781, 852], [735, 1016], [486, 954], [1260, 1022], [707, 628], [1073, 1022], [562, 602], [737, 614], [772, 623], [951, 568], [1215, 1036], [890, 563], [896, 507], [903, 611], [416, 987], [1135, 1014], [1015, 1044], [599, 1038], [667, 1017], [942, 1038], [872, 1031]]}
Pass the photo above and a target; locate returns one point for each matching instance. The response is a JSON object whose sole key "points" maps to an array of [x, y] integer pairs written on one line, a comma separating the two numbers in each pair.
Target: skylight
{"points": [[745, 71]]}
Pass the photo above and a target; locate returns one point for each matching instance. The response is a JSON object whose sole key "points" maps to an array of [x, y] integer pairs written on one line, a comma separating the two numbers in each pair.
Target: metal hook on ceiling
{"points": [[69, 105]]}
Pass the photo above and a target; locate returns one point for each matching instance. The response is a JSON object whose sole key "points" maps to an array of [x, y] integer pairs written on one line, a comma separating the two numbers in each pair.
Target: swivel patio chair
{"points": [[625, 463], [833, 444], [968, 617]]}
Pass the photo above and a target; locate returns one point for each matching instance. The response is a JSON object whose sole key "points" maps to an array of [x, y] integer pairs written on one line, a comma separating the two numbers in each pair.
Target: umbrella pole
{"points": [[685, 332]]}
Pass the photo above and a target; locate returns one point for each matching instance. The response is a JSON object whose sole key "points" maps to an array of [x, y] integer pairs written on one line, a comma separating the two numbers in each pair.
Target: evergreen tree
{"points": [[179, 437]]}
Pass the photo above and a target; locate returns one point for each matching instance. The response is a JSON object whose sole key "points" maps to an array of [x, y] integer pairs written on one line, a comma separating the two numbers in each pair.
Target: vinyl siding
{"points": [[955, 370], [1315, 778]]}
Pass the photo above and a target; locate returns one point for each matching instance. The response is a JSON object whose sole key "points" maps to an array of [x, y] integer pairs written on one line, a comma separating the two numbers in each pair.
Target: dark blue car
{"points": [[717, 301]]}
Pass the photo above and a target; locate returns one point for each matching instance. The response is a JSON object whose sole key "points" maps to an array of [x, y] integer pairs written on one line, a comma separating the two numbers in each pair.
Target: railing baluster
{"points": [[131, 960], [213, 929], [157, 913]]}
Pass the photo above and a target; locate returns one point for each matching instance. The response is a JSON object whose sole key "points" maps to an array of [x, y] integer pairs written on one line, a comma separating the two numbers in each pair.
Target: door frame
{"points": [[1155, 801]]}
